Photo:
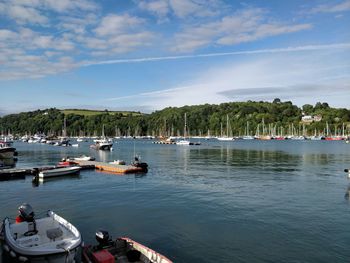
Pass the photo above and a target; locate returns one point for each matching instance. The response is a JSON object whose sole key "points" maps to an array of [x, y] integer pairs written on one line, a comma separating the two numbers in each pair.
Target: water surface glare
{"points": [[242, 201]]}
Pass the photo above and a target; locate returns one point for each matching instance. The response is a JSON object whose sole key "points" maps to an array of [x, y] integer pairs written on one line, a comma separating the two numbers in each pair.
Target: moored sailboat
{"points": [[226, 137]]}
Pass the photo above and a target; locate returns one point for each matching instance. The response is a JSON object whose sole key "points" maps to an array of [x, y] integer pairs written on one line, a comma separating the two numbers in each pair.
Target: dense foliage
{"points": [[170, 121]]}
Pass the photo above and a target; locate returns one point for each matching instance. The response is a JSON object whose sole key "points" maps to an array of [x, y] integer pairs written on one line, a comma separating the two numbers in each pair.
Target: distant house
{"points": [[310, 118], [307, 118], [46, 113], [317, 118]]}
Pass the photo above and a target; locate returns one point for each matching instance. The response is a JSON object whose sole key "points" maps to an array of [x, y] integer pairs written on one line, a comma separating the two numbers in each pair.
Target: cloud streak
{"points": [[220, 54], [302, 77], [332, 8]]}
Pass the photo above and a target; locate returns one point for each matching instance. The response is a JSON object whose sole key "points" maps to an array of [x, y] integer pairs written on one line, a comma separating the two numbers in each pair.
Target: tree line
{"points": [[201, 120]]}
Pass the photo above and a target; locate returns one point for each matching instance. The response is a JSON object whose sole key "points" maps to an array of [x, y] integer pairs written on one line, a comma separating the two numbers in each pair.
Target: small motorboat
{"points": [[122, 249], [137, 163], [59, 171], [48, 239], [6, 150], [103, 145], [84, 158]]}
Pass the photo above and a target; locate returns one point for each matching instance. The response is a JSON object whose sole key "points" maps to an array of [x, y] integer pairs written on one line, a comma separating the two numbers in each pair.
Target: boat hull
{"points": [[119, 250], [225, 138], [102, 147], [7, 153], [59, 172]]}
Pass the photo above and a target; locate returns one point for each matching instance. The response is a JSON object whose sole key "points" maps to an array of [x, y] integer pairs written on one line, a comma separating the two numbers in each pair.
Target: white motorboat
{"points": [[49, 239], [59, 171], [83, 158], [104, 145], [183, 142], [6, 150], [225, 138]]}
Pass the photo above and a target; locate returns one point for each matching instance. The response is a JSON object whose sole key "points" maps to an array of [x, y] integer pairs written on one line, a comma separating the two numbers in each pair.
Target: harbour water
{"points": [[241, 201]]}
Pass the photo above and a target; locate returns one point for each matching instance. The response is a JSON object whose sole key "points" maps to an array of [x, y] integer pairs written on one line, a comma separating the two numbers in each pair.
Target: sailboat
{"points": [[184, 141], [117, 133], [248, 136], [64, 141], [225, 137]]}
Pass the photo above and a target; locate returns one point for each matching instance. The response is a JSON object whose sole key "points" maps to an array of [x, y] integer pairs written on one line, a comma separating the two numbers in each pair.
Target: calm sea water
{"points": [[242, 201]]}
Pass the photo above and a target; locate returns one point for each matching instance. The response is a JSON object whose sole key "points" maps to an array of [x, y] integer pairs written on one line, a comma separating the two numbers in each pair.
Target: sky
{"points": [[145, 55]]}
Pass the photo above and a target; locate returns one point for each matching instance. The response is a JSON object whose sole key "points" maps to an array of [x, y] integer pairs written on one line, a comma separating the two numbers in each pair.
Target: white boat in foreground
{"points": [[49, 239], [59, 171]]}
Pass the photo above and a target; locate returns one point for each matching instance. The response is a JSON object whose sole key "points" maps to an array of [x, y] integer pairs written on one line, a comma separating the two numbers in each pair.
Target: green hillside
{"points": [[97, 112], [283, 117]]}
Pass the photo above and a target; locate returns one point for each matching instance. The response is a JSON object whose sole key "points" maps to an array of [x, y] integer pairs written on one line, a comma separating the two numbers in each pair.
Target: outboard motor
{"points": [[26, 212], [103, 238]]}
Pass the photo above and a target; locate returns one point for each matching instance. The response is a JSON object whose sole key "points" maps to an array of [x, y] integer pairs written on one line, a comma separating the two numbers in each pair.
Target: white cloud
{"points": [[77, 25], [23, 15], [68, 5], [261, 31], [182, 8], [7, 34], [37, 12], [57, 6], [160, 8], [115, 24], [43, 41], [243, 26], [332, 8]]}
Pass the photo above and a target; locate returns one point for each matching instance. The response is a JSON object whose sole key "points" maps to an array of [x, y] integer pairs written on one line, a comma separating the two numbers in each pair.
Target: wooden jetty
{"points": [[109, 167], [12, 173], [20, 173]]}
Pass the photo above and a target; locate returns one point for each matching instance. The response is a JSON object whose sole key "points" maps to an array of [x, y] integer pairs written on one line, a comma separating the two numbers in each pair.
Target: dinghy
{"points": [[123, 250], [59, 171], [49, 239]]}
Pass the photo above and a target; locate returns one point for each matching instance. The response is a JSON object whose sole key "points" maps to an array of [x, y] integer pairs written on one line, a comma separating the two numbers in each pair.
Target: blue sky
{"points": [[149, 54]]}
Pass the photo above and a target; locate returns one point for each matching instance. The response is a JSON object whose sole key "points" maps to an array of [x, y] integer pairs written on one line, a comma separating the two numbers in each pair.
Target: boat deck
{"points": [[108, 167]]}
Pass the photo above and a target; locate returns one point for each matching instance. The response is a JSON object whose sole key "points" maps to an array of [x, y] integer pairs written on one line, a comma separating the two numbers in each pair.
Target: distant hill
{"points": [[85, 112], [250, 117]]}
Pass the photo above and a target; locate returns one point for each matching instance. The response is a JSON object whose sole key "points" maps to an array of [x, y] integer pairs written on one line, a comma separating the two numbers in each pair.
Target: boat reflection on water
{"points": [[36, 183], [347, 193], [104, 156]]}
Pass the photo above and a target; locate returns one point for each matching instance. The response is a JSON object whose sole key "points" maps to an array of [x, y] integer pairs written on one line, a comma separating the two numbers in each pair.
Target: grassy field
{"points": [[96, 112]]}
